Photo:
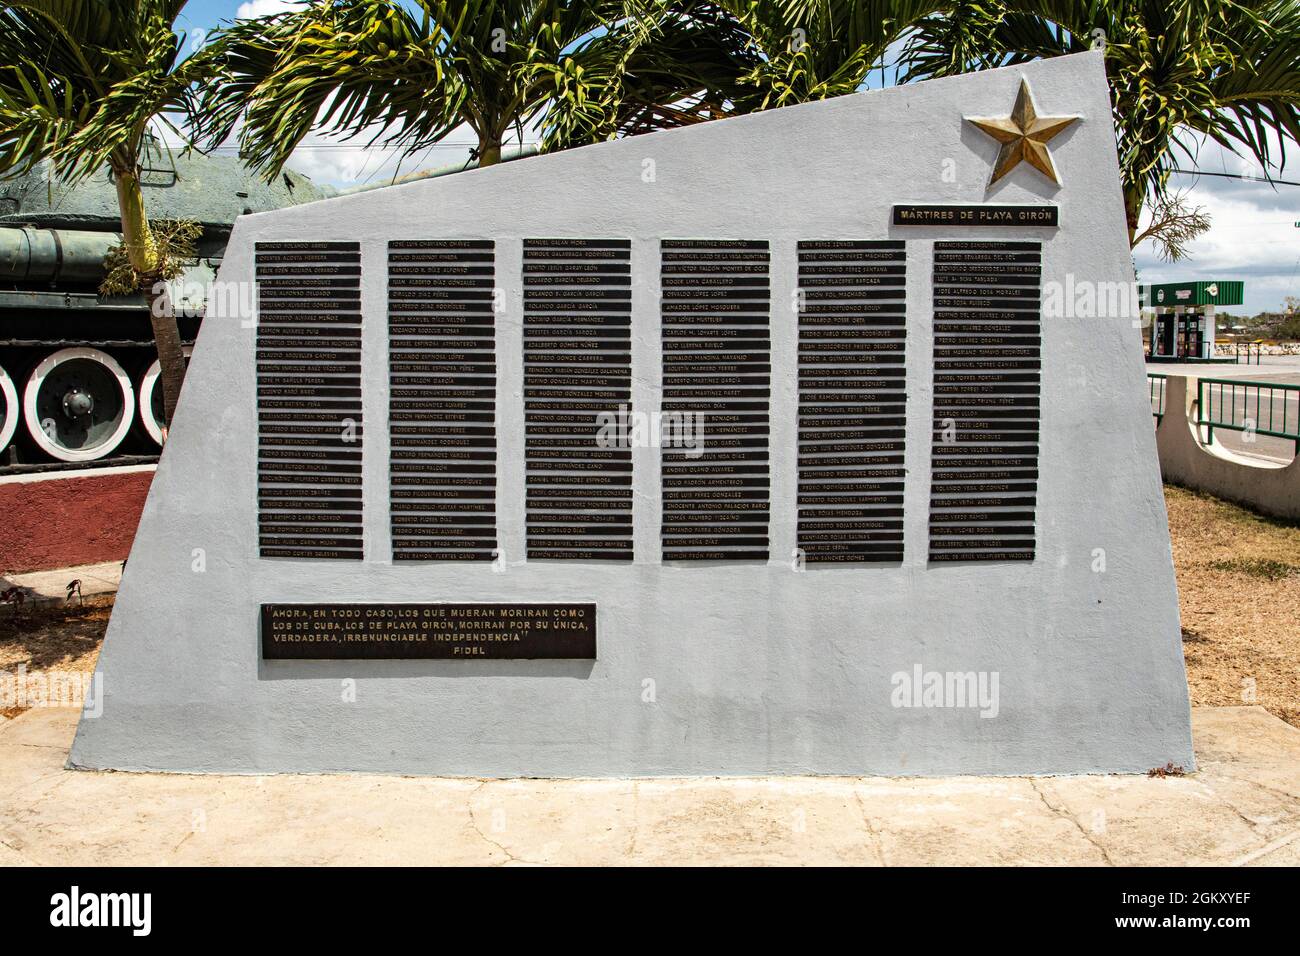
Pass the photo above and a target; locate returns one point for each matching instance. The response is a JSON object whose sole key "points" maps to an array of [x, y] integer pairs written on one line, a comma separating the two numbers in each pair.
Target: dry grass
{"points": [[1238, 583], [49, 639], [1239, 588]]}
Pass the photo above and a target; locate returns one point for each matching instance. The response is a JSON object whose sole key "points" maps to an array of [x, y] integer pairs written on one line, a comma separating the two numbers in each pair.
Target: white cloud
{"points": [[264, 8], [344, 163], [1252, 236]]}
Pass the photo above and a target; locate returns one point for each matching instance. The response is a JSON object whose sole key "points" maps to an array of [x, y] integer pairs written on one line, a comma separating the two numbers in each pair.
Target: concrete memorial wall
{"points": [[814, 441]]}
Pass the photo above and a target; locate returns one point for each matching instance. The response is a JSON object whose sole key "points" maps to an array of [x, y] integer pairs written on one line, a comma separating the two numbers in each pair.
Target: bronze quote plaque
{"points": [[450, 631]]}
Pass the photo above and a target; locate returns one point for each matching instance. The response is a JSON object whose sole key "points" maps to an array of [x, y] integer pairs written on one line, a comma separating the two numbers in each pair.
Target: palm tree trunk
{"points": [[489, 151], [1134, 195], [167, 340], [143, 253]]}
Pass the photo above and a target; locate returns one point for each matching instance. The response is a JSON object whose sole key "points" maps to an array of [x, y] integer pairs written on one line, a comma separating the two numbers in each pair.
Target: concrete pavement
{"points": [[48, 587], [1241, 807]]}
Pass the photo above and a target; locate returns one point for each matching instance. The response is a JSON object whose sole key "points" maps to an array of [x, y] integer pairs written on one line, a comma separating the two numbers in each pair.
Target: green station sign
{"points": [[1170, 294]]}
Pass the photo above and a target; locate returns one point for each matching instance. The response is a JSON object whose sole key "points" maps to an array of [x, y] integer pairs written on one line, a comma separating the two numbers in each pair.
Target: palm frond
{"points": [[1228, 70], [81, 81]]}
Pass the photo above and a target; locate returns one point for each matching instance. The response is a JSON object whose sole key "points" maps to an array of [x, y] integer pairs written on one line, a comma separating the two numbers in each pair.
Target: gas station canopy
{"points": [[1183, 326], [1170, 294]]}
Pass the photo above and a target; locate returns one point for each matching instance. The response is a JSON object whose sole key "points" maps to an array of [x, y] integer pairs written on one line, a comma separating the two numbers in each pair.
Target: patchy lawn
{"points": [[1238, 583], [1239, 587], [50, 639]]}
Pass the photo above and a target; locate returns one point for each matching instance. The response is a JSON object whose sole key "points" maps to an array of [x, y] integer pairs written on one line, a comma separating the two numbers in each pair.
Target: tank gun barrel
{"points": [[28, 254]]}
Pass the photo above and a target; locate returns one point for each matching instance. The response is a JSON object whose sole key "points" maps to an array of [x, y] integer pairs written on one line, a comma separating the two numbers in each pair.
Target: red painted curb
{"points": [[59, 521]]}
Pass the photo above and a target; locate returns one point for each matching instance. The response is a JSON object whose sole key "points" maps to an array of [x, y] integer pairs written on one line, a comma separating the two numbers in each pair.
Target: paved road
{"points": [[1270, 366]]}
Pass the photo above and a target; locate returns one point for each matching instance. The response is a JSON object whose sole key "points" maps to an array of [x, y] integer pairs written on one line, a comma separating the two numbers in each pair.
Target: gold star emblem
{"points": [[1023, 135]]}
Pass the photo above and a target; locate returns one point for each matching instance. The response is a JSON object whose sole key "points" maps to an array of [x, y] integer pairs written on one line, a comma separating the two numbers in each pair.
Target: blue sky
{"points": [[1253, 236], [207, 14]]}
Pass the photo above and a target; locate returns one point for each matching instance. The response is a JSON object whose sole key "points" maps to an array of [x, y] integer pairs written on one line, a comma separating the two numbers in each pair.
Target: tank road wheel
{"points": [[151, 398], [10, 410], [78, 404]]}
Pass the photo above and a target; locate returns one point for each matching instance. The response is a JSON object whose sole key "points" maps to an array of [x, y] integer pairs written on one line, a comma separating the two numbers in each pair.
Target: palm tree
{"points": [[704, 60], [82, 83], [1228, 70], [584, 70], [687, 68], [409, 77], [816, 49]]}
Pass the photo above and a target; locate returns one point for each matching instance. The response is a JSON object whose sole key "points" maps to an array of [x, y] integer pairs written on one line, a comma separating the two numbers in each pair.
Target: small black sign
{"points": [[912, 214]]}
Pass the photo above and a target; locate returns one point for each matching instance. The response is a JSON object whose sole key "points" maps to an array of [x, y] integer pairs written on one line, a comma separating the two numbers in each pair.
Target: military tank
{"points": [[79, 383]]}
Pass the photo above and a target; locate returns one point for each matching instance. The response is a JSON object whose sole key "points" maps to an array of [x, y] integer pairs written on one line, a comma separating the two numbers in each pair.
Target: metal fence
{"points": [[1248, 353], [1264, 408], [1156, 385]]}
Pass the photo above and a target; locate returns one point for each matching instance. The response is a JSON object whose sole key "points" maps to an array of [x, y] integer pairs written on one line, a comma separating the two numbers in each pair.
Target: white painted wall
{"points": [[756, 668]]}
